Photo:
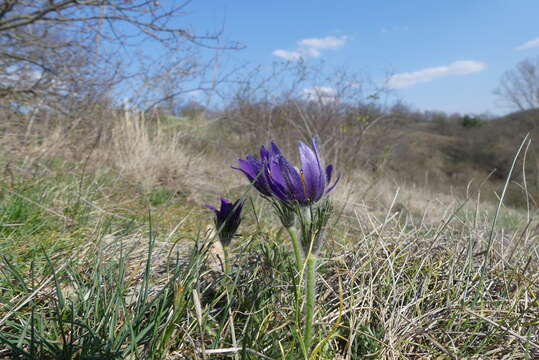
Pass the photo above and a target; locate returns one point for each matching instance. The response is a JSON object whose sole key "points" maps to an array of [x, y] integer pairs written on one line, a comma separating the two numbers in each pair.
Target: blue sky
{"points": [[444, 55]]}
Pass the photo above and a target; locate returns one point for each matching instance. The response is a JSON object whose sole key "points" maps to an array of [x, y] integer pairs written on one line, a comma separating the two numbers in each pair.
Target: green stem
{"points": [[230, 286], [293, 232], [310, 295], [226, 259]]}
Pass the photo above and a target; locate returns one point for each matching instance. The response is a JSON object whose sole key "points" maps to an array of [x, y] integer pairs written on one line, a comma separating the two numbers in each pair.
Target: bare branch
{"points": [[519, 87], [84, 48]]}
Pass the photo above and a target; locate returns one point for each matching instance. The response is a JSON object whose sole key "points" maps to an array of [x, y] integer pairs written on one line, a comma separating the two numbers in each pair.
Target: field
{"points": [[107, 253]]}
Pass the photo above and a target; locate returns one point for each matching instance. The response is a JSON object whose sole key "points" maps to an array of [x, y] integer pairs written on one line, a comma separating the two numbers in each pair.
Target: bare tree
{"points": [[297, 100], [62, 53], [519, 87]]}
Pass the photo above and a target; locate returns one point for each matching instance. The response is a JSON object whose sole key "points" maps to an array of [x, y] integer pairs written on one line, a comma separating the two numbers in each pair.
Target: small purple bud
{"points": [[227, 219]]}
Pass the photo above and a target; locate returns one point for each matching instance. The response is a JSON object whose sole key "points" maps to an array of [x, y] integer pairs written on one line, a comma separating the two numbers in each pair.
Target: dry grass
{"points": [[150, 159], [405, 272]]}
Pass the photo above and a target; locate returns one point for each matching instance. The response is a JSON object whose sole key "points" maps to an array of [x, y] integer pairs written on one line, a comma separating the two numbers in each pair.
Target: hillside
{"points": [[447, 155]]}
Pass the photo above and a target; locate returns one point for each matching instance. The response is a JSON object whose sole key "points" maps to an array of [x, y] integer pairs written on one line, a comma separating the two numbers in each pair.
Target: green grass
{"points": [[44, 210], [160, 196], [93, 267], [179, 124]]}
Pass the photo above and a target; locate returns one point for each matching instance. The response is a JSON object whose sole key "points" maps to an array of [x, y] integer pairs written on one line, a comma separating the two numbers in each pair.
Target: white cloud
{"points": [[323, 94], [328, 42], [310, 52], [529, 44], [462, 67], [321, 90], [288, 55], [311, 47]]}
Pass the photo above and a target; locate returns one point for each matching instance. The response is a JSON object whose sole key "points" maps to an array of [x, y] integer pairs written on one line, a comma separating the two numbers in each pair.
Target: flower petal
{"points": [[332, 186], [329, 171], [254, 171], [248, 168], [276, 180], [314, 177], [225, 204], [275, 149], [294, 184], [264, 154]]}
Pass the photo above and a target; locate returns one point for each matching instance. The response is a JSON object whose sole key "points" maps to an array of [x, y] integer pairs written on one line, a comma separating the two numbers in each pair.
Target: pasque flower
{"points": [[274, 176], [227, 219], [297, 194], [306, 186], [298, 197]]}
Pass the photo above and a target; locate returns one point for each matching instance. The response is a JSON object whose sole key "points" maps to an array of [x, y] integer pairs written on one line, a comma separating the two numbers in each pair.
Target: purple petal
{"points": [[211, 208], [264, 154], [275, 149], [279, 179], [227, 219], [225, 202], [254, 171], [253, 160], [275, 180], [332, 186], [293, 182], [279, 191], [248, 168], [329, 171], [314, 177], [275, 173]]}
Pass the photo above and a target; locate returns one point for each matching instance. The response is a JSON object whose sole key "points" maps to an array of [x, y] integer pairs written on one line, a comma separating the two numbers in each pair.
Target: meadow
{"points": [[107, 253]]}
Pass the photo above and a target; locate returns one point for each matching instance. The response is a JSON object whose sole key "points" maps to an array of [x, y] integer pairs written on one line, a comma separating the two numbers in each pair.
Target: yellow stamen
{"points": [[302, 175]]}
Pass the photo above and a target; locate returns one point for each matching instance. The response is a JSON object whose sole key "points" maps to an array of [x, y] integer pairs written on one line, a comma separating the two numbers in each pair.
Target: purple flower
{"points": [[227, 219], [274, 176], [254, 171], [305, 186]]}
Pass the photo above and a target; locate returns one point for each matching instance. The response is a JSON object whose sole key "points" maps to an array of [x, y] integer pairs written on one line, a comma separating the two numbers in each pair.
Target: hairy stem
{"points": [[230, 288], [310, 295], [226, 261], [293, 232]]}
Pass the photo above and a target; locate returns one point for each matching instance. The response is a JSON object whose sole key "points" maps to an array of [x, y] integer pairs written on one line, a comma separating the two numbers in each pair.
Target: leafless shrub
{"points": [[66, 59], [519, 87], [294, 101]]}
